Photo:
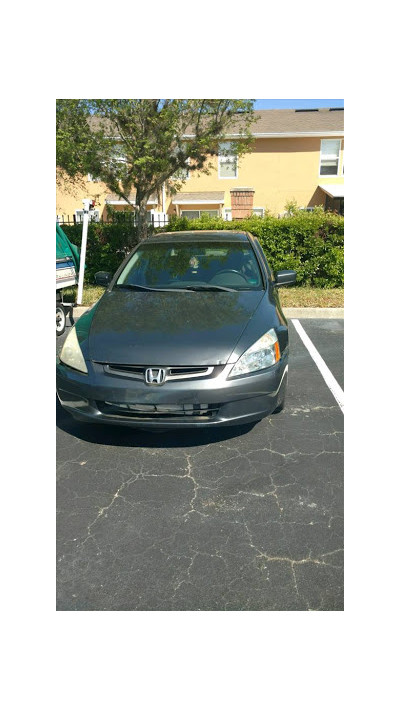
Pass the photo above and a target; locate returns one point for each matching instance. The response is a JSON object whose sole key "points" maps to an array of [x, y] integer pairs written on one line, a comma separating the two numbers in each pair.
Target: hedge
{"points": [[312, 243], [108, 243]]}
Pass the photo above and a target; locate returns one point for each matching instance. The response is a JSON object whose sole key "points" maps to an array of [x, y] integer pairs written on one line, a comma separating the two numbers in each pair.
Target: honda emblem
{"points": [[155, 376]]}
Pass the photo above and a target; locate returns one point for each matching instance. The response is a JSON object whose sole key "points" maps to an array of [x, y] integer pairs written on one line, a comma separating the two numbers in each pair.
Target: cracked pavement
{"points": [[246, 518]]}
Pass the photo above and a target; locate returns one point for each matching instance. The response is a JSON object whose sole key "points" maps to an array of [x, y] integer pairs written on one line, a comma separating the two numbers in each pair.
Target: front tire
{"points": [[61, 319]]}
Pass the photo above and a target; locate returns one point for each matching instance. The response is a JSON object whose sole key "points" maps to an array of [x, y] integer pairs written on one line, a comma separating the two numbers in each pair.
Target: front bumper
{"points": [[205, 402]]}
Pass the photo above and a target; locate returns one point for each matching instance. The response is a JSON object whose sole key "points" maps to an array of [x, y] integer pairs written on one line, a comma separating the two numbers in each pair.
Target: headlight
{"points": [[71, 353], [262, 354]]}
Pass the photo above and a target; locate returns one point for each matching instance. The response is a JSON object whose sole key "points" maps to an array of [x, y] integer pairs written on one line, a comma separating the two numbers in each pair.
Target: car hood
{"points": [[165, 328]]}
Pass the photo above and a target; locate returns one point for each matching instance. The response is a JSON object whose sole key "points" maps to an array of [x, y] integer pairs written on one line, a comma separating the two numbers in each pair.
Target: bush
{"points": [[108, 243], [309, 242]]}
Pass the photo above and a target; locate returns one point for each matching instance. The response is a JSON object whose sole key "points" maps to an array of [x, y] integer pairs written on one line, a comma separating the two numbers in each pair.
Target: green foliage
{"points": [[309, 242], [141, 143], [107, 244], [291, 206]]}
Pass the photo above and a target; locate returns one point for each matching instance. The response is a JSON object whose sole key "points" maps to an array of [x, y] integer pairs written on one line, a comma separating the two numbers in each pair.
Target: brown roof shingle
{"points": [[199, 196], [283, 121], [276, 121], [132, 197], [293, 121]]}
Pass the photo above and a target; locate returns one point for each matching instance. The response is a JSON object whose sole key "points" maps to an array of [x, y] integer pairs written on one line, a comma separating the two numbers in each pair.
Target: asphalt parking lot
{"points": [[230, 519]]}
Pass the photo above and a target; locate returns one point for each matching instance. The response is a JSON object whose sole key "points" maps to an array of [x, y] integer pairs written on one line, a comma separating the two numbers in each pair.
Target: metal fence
{"points": [[129, 219], [124, 218]]}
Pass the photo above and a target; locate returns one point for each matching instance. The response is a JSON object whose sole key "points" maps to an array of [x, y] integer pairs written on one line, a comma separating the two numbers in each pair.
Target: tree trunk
{"points": [[142, 224]]}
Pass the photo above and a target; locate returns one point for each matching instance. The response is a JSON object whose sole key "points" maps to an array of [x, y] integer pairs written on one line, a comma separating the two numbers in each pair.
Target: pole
{"points": [[83, 250]]}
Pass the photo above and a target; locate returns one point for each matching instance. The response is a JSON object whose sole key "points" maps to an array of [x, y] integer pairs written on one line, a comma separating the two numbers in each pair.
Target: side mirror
{"points": [[285, 277], [102, 278]]}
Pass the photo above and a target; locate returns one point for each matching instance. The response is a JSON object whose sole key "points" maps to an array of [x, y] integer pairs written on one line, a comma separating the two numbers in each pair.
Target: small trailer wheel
{"points": [[61, 319]]}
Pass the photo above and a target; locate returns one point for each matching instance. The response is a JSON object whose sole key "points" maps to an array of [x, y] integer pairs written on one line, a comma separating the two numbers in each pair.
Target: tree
{"points": [[142, 143]]}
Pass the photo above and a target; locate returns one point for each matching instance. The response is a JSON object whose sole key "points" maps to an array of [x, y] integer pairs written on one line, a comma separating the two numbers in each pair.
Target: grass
{"points": [[295, 296], [90, 294], [303, 296]]}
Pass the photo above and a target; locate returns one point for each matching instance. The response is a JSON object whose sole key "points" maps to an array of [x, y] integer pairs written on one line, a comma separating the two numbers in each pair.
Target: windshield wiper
{"points": [[198, 287], [140, 287], [210, 287]]}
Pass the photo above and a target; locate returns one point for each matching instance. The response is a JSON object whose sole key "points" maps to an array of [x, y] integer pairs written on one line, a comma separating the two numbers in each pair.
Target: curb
{"points": [[309, 312], [289, 312], [79, 310]]}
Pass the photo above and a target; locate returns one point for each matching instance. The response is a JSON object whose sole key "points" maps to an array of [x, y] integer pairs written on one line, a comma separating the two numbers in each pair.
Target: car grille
{"points": [[172, 373], [195, 412]]}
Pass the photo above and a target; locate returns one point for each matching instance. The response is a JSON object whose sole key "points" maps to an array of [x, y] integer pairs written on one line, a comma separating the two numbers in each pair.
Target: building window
{"points": [[118, 153], [195, 214], [182, 173], [227, 161], [330, 151], [258, 211]]}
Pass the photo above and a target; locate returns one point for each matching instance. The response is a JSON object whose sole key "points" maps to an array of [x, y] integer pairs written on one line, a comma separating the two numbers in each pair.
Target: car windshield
{"points": [[213, 266]]}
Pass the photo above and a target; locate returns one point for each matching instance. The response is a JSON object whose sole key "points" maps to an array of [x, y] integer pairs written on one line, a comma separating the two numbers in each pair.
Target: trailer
{"points": [[67, 271]]}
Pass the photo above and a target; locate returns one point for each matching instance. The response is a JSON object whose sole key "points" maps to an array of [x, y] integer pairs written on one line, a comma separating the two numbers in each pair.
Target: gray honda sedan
{"points": [[189, 333]]}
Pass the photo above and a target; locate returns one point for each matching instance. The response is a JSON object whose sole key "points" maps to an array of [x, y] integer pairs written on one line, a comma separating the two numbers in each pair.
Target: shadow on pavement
{"points": [[119, 436]]}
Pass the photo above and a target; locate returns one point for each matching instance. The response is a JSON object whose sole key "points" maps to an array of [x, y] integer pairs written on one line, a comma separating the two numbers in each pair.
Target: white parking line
{"points": [[332, 384]]}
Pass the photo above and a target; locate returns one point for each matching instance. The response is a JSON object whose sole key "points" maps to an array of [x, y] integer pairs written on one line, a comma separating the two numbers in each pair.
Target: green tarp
{"points": [[65, 248]]}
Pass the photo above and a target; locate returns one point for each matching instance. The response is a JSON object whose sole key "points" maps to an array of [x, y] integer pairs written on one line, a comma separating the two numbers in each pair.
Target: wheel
{"points": [[61, 319]]}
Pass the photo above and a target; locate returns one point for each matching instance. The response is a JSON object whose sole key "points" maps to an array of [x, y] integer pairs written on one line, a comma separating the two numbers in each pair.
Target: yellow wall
{"points": [[279, 170], [69, 197]]}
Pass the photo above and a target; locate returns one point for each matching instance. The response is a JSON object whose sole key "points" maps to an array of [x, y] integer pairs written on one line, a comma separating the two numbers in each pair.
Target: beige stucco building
{"points": [[297, 155]]}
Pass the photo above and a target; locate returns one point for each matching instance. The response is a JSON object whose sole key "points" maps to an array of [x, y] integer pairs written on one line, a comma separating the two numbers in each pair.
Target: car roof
{"points": [[201, 236]]}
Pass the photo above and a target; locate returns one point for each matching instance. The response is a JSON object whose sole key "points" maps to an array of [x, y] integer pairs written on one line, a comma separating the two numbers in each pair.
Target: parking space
{"points": [[230, 519], [327, 336]]}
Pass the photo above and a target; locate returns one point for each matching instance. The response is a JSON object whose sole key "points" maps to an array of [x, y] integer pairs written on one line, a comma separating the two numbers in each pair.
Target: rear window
{"points": [[179, 265]]}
